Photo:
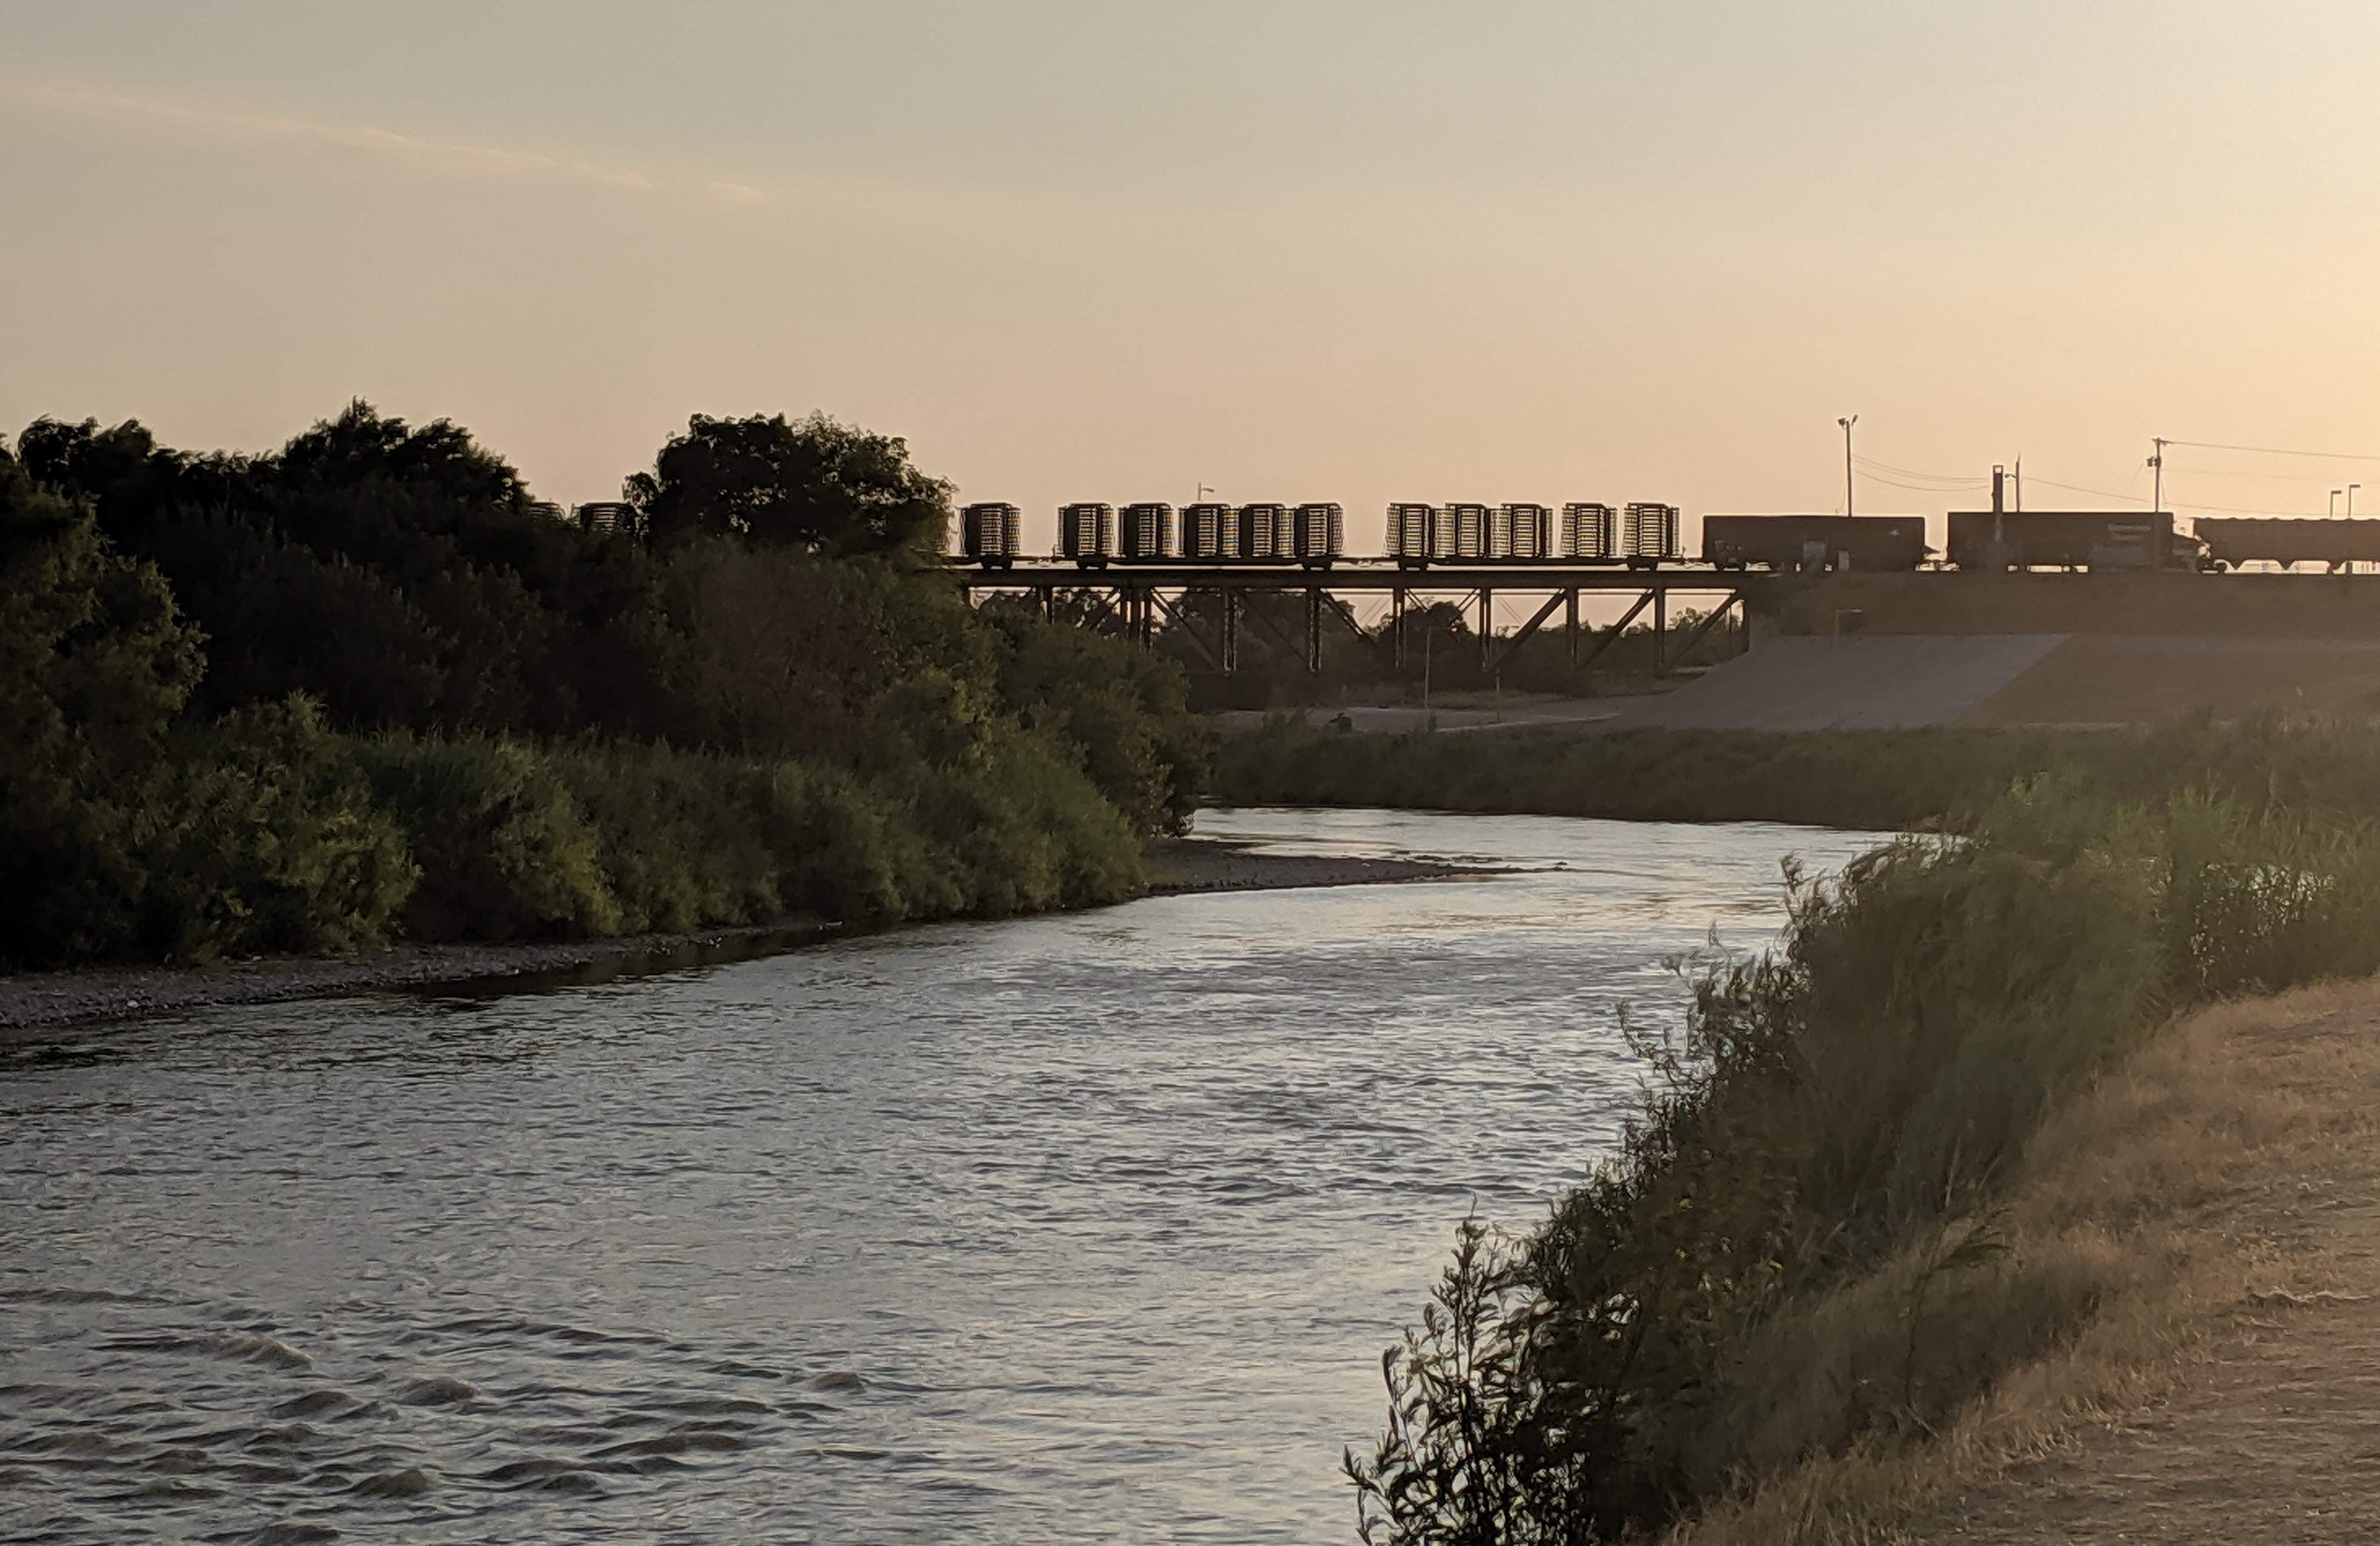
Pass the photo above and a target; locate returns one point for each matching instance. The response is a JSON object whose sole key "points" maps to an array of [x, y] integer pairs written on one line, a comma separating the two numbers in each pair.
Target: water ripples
{"points": [[1069, 1228]]}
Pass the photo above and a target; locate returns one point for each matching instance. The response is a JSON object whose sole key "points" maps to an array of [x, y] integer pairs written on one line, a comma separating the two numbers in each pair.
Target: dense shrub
{"points": [[505, 850], [1847, 1101], [261, 834]]}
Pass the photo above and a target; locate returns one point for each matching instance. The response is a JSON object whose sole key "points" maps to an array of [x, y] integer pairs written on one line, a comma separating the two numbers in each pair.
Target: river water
{"points": [[1088, 1227]]}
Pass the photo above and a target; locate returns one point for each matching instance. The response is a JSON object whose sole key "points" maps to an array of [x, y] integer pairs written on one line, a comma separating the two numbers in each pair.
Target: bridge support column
{"points": [[1487, 627], [1660, 633], [1397, 629], [1314, 633], [1228, 629], [1570, 624]]}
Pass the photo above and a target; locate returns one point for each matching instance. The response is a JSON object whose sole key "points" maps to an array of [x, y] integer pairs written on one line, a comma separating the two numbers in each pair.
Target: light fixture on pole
{"points": [[1847, 424]]}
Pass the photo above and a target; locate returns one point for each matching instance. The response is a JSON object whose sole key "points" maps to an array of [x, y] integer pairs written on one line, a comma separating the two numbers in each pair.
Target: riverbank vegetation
{"points": [[1872, 780], [1804, 1253], [366, 686]]}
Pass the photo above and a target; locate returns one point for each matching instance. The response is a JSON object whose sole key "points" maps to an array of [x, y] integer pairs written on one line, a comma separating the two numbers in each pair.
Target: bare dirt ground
{"points": [[2272, 1432]]}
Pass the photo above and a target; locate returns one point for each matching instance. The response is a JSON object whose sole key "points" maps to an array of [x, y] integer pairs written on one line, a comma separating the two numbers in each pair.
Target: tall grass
{"points": [[1872, 780], [1844, 1110]]}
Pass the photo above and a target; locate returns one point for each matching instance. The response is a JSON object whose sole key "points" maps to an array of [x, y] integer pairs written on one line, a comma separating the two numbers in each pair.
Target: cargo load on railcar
{"points": [[1086, 533], [1590, 532], [1649, 532], [1410, 527], [1319, 534], [1521, 533], [1209, 531], [988, 532], [1264, 533], [1144, 532]]}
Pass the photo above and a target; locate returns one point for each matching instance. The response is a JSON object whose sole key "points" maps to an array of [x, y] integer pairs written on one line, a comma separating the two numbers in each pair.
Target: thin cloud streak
{"points": [[448, 156]]}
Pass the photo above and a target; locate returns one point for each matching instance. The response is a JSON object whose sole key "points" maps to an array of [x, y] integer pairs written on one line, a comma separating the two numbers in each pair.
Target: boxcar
{"points": [[2098, 540], [1814, 542]]}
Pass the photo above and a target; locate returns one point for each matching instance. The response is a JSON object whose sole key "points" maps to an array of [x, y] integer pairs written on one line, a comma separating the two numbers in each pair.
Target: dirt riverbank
{"points": [[39, 1001], [2217, 1193]]}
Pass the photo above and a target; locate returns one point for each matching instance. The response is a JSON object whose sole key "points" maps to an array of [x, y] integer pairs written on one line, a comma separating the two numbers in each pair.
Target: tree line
{"points": [[367, 684]]}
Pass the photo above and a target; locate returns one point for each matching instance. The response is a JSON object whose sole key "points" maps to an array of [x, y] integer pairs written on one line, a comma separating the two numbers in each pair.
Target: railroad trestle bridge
{"points": [[1138, 594]]}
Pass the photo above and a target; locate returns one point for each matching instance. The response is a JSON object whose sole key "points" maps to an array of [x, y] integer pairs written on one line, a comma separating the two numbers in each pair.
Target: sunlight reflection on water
{"points": [[1079, 1227]]}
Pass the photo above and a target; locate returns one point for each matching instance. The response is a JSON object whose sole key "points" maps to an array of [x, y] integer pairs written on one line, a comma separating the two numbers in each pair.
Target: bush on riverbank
{"points": [[1794, 1251], [410, 699]]}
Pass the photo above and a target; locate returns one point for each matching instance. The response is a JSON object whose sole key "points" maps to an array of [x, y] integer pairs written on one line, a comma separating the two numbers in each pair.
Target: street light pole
{"points": [[1847, 424], [2350, 500]]}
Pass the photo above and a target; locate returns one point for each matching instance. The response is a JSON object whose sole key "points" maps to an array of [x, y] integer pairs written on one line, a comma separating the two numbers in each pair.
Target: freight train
{"points": [[1643, 535]]}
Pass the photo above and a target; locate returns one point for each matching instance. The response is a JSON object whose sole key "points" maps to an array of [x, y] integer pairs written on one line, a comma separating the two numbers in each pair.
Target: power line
{"points": [[2275, 450]]}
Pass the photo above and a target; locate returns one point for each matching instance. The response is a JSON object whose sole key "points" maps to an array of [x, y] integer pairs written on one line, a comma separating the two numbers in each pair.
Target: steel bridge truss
{"points": [[1138, 597]]}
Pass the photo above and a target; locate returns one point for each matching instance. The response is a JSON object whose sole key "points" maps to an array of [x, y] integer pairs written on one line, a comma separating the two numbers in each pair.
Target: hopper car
{"points": [[2287, 540]]}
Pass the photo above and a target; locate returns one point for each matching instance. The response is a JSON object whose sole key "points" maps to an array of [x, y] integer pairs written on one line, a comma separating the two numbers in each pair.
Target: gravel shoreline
{"points": [[53, 1000]]}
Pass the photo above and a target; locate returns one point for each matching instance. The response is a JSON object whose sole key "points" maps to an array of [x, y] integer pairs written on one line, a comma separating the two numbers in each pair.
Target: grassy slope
{"points": [[2178, 1196]]}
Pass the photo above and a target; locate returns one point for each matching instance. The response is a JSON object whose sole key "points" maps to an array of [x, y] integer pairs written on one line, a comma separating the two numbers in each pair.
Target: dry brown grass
{"points": [[2148, 1215]]}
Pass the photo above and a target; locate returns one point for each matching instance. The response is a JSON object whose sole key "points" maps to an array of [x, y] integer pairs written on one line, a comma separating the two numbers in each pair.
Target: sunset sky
{"points": [[1307, 249]]}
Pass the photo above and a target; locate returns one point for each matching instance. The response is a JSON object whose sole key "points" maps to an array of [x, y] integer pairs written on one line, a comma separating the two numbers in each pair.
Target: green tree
{"points": [[828, 488], [94, 662]]}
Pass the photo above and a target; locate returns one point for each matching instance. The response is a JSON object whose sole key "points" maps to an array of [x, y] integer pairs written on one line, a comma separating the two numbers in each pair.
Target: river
{"points": [[1081, 1227]]}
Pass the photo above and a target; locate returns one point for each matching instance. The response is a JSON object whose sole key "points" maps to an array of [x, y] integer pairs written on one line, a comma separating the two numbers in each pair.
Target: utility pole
{"points": [[2020, 483], [2157, 464], [1847, 424]]}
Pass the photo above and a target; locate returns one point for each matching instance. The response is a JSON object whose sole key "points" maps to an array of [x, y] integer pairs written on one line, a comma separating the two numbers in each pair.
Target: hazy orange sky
{"points": [[1298, 251]]}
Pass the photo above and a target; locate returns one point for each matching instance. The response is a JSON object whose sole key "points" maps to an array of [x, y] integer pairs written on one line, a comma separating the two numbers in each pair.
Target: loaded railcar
{"points": [[1464, 531], [988, 534], [1521, 533], [1086, 533], [1209, 532], [1590, 532], [1410, 529], [1813, 542], [1146, 532], [1321, 534], [1265, 534], [2285, 540], [2095, 539], [1650, 533]]}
